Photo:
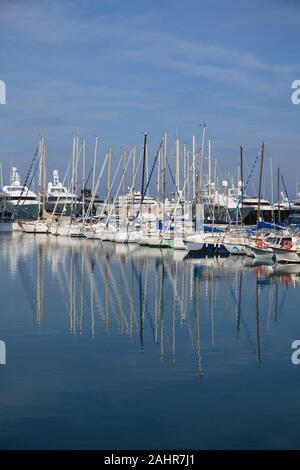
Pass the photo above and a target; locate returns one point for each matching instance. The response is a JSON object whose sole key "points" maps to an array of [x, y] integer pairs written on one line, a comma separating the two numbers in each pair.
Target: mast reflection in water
{"points": [[119, 347]]}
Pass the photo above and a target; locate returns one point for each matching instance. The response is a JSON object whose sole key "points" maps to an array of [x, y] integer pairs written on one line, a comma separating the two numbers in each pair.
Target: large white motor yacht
{"points": [[17, 202]]}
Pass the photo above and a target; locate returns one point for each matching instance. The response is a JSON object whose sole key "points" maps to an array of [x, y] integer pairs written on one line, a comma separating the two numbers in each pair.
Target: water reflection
{"points": [[152, 296]]}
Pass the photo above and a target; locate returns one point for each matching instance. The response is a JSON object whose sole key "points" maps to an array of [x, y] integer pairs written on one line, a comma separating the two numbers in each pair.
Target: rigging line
{"points": [[25, 182], [30, 183], [285, 189], [173, 180], [245, 187], [148, 182], [152, 169]]}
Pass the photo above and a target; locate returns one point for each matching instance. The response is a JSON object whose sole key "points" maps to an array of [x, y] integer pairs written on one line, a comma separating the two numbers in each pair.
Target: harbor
{"points": [[199, 215], [126, 301], [149, 232]]}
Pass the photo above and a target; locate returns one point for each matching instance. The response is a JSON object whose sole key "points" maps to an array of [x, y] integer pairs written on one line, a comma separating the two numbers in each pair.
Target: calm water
{"points": [[111, 348]]}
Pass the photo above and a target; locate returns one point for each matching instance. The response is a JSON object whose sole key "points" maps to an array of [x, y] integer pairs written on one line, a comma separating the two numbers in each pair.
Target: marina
{"points": [[142, 306], [190, 218], [149, 232]]}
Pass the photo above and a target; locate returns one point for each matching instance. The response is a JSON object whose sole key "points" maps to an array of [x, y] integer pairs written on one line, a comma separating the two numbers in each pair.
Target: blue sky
{"points": [[115, 68]]}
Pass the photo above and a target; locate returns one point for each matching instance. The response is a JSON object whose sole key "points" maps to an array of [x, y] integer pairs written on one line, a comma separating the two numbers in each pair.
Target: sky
{"points": [[117, 68]]}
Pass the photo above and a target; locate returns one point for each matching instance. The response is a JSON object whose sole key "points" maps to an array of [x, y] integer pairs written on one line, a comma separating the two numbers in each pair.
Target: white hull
{"points": [[60, 230], [134, 236], [194, 246], [154, 241], [235, 248], [195, 242], [287, 256], [76, 231], [106, 235], [121, 236], [248, 251], [263, 254], [178, 244], [88, 233], [35, 227]]}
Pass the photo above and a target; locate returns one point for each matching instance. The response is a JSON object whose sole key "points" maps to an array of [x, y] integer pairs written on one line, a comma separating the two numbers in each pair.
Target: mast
{"points": [[187, 166], [95, 163], [133, 168], [76, 164], [143, 170], [42, 176], [164, 173], [73, 173], [202, 157], [209, 169], [242, 182], [271, 185], [124, 169], [214, 194], [83, 179], [147, 166], [177, 169], [158, 176], [260, 180], [278, 194], [194, 167], [1, 175], [184, 169], [108, 175]]}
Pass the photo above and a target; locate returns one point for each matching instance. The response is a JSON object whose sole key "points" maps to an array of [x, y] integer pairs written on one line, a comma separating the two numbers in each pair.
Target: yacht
{"points": [[17, 201], [59, 199]]}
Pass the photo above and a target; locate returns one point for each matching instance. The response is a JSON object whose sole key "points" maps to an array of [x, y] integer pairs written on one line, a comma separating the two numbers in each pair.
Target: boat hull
{"points": [[287, 256], [261, 253]]}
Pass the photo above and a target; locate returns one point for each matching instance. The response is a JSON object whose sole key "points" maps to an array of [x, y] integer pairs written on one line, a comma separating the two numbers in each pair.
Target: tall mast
{"points": [[272, 188], [124, 169], [209, 169], [194, 167], [83, 178], [95, 163], [242, 181], [143, 170], [108, 175], [76, 163], [278, 194], [202, 157], [147, 164], [177, 170], [158, 175], [133, 168], [184, 169], [260, 180], [187, 166], [164, 173], [42, 176], [1, 176]]}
